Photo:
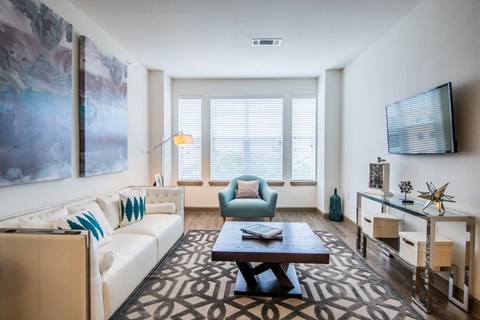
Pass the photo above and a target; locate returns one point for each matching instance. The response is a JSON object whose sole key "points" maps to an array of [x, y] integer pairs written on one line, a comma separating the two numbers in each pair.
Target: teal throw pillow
{"points": [[132, 207], [84, 220]]}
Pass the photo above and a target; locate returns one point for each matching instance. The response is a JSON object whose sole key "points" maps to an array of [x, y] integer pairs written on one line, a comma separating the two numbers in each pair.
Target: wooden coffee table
{"points": [[275, 275]]}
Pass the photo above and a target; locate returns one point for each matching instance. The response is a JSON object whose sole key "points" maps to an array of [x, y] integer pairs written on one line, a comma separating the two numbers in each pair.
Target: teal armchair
{"points": [[264, 206]]}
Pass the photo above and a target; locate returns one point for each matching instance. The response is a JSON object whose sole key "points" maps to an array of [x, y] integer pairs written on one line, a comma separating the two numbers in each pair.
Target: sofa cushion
{"points": [[36, 223], [84, 220], [135, 255], [168, 207], [166, 228], [92, 207], [40, 219], [43, 220], [247, 189], [110, 207], [132, 207]]}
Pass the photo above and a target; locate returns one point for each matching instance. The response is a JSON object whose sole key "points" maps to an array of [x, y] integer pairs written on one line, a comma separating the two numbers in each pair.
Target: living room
{"points": [[432, 42]]}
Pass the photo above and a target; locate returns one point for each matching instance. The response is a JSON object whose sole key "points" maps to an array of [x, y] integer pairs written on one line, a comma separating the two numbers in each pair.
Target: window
{"points": [[304, 138], [190, 122], [246, 138]]}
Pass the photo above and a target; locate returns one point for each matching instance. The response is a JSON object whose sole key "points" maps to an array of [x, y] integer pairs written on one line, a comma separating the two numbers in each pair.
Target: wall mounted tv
{"points": [[422, 124]]}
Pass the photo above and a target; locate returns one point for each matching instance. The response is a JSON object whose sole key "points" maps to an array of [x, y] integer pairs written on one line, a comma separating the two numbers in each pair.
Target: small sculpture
{"points": [[436, 197], [405, 187]]}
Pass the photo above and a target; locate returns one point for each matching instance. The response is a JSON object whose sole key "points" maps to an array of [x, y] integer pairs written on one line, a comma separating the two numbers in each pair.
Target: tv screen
{"points": [[422, 124]]}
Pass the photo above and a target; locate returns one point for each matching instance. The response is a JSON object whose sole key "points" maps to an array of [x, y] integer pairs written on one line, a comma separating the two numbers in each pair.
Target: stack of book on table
{"points": [[261, 231]]}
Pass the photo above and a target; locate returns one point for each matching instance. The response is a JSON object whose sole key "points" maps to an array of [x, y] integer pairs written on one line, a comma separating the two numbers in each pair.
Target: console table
{"points": [[422, 286]]}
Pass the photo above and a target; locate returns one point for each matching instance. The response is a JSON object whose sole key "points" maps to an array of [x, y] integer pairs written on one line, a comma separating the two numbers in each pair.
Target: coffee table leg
{"points": [[246, 270], [282, 276]]}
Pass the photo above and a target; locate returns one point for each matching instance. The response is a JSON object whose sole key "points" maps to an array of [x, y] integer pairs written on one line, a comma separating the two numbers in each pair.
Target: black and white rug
{"points": [[188, 285]]}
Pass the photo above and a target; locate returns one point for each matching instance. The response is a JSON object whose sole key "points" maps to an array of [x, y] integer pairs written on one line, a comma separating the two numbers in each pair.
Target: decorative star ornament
{"points": [[436, 197]]}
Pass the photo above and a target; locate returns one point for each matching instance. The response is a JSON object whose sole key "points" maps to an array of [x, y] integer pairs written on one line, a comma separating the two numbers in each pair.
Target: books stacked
{"points": [[261, 231]]}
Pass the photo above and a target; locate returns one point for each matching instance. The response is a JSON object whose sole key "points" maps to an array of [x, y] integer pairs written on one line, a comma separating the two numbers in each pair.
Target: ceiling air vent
{"points": [[266, 42]]}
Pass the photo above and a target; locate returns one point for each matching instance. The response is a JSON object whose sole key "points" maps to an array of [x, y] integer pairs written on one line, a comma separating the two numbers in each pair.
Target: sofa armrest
{"points": [[165, 194], [40, 266]]}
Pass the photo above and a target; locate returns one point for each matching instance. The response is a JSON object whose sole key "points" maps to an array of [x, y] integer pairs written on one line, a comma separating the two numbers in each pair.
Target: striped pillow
{"points": [[247, 189], [132, 207]]}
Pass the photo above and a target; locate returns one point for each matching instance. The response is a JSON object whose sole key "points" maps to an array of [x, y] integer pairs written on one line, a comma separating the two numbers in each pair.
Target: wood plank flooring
{"points": [[389, 269]]}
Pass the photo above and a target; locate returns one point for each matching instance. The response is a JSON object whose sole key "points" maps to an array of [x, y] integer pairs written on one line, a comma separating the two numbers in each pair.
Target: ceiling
{"points": [[212, 38]]}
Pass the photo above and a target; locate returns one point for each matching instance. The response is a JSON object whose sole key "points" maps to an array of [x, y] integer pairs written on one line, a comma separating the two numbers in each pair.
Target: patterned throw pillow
{"points": [[84, 220], [132, 207], [247, 189]]}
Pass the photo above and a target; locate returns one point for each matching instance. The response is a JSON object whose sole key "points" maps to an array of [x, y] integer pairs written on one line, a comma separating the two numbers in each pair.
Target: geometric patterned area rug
{"points": [[188, 285]]}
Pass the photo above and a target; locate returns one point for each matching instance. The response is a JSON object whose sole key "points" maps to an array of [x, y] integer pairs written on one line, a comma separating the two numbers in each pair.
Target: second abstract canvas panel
{"points": [[103, 111]]}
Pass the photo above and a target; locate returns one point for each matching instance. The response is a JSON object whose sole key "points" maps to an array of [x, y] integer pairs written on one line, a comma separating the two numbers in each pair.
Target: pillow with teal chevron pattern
{"points": [[132, 207], [84, 220]]}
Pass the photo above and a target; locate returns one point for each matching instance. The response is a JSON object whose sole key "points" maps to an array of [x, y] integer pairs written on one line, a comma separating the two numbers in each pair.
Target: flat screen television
{"points": [[422, 124]]}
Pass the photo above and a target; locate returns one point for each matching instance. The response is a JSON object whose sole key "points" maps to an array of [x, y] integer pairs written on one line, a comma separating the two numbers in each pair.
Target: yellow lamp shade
{"points": [[182, 139]]}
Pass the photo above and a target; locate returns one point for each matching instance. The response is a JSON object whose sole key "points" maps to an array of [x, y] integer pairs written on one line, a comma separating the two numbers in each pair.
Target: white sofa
{"points": [[135, 248]]}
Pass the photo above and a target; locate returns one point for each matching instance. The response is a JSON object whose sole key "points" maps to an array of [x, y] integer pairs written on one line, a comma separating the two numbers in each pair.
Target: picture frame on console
{"points": [[158, 180]]}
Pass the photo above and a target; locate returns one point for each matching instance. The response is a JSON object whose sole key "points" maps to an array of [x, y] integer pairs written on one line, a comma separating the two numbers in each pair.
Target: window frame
{"points": [[304, 181], [280, 104]]}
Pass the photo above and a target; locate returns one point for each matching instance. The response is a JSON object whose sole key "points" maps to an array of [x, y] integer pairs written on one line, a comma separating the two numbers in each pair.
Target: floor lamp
{"points": [[179, 139]]}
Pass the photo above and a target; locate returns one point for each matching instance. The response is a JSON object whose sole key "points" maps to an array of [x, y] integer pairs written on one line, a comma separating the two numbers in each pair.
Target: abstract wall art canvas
{"points": [[103, 111], [35, 93]]}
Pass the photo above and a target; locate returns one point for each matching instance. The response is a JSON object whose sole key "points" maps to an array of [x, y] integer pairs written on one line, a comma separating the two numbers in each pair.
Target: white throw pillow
{"points": [[36, 223], [84, 220], [132, 206], [93, 207], [105, 259], [110, 207], [168, 207], [43, 220], [247, 189]]}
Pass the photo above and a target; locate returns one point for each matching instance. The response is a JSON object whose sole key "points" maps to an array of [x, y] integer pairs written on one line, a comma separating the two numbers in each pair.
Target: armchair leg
{"points": [[224, 219], [271, 219]]}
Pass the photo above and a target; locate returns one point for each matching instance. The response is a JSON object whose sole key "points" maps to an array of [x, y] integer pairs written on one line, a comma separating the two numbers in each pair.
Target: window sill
{"points": [[190, 183], [299, 183], [225, 183]]}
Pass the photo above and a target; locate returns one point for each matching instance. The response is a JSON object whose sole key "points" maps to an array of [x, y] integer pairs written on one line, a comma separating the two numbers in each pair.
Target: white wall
{"points": [[20, 198], [436, 43], [160, 119], [329, 136], [207, 196]]}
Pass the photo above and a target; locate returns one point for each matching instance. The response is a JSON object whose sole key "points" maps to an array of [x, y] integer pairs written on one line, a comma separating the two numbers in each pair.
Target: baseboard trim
{"points": [[297, 209], [349, 221], [202, 209], [281, 209]]}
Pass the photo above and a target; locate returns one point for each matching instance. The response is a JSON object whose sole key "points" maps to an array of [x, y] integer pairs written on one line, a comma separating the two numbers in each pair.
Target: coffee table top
{"points": [[299, 245]]}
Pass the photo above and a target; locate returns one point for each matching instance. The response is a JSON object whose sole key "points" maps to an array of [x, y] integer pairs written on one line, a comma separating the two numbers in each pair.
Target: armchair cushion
{"points": [[247, 189]]}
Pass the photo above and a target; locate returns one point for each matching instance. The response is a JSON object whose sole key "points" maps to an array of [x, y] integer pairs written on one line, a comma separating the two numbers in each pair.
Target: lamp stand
{"points": [[162, 179], [179, 138]]}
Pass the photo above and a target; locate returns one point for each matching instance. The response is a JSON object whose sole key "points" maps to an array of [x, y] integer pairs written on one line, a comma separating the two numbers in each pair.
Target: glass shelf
{"points": [[423, 276], [415, 209]]}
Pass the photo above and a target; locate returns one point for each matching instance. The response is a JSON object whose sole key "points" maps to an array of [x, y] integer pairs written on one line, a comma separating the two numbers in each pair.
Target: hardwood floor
{"points": [[398, 276]]}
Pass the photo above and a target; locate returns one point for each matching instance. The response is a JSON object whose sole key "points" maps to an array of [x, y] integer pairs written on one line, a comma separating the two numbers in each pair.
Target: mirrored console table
{"points": [[423, 276]]}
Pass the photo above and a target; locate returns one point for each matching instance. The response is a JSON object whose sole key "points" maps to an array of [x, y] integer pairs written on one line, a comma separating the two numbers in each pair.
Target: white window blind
{"points": [[190, 122], [304, 139], [246, 138]]}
